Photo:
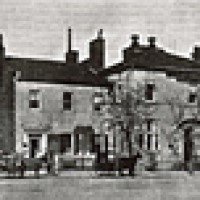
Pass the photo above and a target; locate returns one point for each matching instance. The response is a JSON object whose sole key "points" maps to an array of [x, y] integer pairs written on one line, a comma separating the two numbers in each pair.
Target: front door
{"points": [[34, 147], [188, 144]]}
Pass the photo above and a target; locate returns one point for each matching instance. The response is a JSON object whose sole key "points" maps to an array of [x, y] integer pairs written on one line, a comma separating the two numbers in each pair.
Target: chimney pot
{"points": [[69, 39], [100, 34], [135, 39], [1, 40], [152, 41], [196, 53]]}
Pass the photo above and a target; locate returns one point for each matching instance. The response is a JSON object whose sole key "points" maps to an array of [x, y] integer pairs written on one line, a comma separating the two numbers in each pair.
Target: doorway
{"points": [[34, 147], [188, 144]]}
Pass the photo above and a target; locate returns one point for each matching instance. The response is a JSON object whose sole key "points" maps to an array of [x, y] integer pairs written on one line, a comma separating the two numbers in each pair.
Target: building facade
{"points": [[55, 106], [63, 115], [156, 92], [149, 101]]}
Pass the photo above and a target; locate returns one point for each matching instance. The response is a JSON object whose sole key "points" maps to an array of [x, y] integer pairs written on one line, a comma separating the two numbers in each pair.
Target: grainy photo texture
{"points": [[99, 99]]}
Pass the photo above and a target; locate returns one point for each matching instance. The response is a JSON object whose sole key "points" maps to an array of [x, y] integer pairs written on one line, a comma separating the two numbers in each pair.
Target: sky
{"points": [[38, 28]]}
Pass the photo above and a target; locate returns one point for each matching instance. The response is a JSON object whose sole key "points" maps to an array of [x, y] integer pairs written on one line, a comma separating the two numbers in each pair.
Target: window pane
{"points": [[149, 136], [140, 140], [192, 98], [33, 103], [34, 98], [67, 100], [65, 141], [76, 144], [149, 123], [67, 96], [97, 107], [67, 105], [156, 142], [149, 92]]}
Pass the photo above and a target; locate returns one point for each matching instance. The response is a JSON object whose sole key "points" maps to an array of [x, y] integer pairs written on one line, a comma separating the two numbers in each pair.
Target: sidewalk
{"points": [[143, 174], [93, 174]]}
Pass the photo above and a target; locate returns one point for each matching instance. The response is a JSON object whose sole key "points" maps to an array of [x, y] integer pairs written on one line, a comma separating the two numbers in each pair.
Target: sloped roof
{"points": [[54, 71], [154, 59]]}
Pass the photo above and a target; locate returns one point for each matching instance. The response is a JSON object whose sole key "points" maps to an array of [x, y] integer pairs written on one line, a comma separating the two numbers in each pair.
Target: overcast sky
{"points": [[37, 28]]}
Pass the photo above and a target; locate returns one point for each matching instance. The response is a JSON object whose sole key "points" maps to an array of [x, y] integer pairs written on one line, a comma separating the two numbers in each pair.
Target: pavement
{"points": [[109, 175], [68, 185]]}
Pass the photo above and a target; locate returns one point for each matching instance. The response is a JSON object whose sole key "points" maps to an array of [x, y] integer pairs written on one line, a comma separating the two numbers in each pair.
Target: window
{"points": [[192, 97], [149, 139], [67, 98], [156, 141], [98, 101], [84, 142], [97, 107], [149, 125], [141, 140], [65, 143], [34, 99], [149, 91]]}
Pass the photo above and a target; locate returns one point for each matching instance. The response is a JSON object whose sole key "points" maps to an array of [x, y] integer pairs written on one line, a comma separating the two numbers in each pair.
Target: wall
{"points": [[50, 118], [170, 99]]}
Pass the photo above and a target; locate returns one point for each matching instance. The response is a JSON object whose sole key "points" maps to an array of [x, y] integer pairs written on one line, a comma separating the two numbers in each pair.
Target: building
{"points": [[54, 105], [148, 101], [157, 101]]}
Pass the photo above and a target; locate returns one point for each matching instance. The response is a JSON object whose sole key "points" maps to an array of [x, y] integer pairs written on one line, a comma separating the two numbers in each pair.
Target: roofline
{"points": [[189, 121], [64, 82]]}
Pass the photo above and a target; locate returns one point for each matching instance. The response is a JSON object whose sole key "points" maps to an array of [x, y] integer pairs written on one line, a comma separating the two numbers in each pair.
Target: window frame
{"points": [[192, 97], [67, 102], [34, 99], [148, 90]]}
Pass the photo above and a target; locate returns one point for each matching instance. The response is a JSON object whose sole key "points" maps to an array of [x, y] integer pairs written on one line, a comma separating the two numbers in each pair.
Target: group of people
{"points": [[17, 165]]}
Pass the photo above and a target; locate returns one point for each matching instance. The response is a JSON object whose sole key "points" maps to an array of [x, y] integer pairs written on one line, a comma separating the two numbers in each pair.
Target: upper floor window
{"points": [[192, 97], [150, 125], [98, 99], [141, 140], [67, 100], [152, 141], [149, 91], [34, 100], [149, 141], [156, 141]]}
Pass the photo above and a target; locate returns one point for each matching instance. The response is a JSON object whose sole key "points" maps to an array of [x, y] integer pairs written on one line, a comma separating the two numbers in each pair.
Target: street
{"points": [[84, 188]]}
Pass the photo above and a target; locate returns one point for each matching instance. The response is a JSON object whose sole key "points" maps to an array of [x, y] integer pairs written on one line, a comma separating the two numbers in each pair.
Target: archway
{"points": [[191, 142]]}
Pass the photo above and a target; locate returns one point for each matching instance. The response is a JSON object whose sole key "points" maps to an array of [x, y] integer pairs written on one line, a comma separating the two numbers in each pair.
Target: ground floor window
{"points": [[148, 141], [84, 141], [60, 143], [65, 143], [141, 138]]}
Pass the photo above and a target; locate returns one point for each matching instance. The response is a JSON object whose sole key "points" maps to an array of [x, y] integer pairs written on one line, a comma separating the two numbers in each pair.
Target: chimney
{"points": [[152, 41], [2, 56], [71, 55], [69, 39], [2, 49], [1, 41], [196, 54], [97, 51], [135, 40]]}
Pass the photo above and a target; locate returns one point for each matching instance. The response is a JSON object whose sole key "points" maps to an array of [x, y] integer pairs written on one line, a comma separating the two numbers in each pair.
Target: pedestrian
{"points": [[50, 162], [22, 168], [56, 164]]}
